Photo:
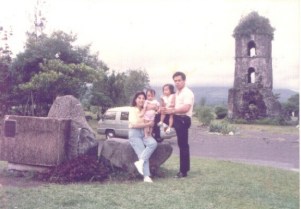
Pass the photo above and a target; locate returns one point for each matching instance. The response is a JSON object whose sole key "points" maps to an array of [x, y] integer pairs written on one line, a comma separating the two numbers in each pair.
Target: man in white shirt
{"points": [[182, 120]]}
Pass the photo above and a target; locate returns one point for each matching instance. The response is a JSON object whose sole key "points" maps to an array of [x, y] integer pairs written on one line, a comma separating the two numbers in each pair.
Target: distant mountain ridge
{"points": [[219, 95]]}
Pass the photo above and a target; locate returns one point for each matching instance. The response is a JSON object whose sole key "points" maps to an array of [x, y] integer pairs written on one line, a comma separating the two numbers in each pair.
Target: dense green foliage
{"points": [[222, 127], [253, 23], [54, 65], [5, 63], [204, 114], [118, 89], [292, 105], [221, 112]]}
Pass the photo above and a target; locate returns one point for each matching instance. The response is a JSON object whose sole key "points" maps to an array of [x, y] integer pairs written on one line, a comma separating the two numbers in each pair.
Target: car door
{"points": [[124, 123]]}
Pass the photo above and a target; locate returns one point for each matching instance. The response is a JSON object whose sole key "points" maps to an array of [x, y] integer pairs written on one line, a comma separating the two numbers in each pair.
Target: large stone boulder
{"points": [[120, 153], [82, 139]]}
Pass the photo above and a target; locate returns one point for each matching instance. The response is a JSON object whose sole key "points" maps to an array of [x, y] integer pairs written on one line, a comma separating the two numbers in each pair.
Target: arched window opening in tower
{"points": [[252, 108], [251, 75], [251, 49], [252, 105]]}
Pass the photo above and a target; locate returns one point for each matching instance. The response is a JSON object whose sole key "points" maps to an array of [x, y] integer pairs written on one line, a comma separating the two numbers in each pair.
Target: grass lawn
{"points": [[210, 185]]}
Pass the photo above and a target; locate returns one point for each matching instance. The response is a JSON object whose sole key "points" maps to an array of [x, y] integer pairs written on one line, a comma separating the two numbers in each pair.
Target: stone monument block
{"points": [[36, 141]]}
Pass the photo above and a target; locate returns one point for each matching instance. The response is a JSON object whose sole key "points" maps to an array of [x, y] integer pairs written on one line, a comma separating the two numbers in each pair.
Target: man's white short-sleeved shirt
{"points": [[183, 97]]}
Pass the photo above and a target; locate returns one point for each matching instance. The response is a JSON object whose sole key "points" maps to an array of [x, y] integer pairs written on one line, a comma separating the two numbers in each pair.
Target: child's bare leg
{"points": [[162, 117], [150, 130], [170, 124], [170, 121]]}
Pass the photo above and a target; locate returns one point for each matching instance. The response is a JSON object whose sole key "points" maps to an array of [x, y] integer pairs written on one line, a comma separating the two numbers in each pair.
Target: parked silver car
{"points": [[114, 123]]}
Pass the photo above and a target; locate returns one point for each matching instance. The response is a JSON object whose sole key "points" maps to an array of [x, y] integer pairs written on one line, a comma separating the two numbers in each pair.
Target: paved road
{"points": [[254, 147]]}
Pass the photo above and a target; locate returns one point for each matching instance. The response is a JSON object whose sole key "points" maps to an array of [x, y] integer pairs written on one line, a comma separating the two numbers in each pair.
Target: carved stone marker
{"points": [[36, 141], [31, 143]]}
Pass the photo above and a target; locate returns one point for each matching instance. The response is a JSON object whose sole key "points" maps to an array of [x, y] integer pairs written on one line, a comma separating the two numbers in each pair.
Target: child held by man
{"points": [[168, 101]]}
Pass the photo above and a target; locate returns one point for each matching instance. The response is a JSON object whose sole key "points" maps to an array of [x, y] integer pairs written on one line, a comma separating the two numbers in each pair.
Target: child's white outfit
{"points": [[168, 103], [168, 100]]}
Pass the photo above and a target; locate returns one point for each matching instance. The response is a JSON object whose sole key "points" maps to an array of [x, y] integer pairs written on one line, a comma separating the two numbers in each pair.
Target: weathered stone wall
{"points": [[263, 72], [36, 141], [264, 103], [262, 62], [263, 45]]}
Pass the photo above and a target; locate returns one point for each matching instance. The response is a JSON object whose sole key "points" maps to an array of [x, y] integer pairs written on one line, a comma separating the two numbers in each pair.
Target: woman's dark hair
{"points": [[171, 88], [134, 104]]}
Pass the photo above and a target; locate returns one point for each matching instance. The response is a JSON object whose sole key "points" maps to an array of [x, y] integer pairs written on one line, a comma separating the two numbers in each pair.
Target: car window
{"points": [[109, 116], [124, 116]]}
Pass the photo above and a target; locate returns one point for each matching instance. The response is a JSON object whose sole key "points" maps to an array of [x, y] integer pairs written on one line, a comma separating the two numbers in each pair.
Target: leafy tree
{"points": [[109, 91], [39, 22], [292, 105], [136, 80], [117, 89], [50, 66], [57, 78], [221, 112], [5, 63]]}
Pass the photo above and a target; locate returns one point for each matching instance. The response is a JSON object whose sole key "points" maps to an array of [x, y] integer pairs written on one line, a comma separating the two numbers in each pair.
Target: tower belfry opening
{"points": [[251, 96], [251, 49], [251, 75]]}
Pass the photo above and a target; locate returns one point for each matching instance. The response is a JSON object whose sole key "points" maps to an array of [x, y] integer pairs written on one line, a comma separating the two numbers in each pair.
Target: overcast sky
{"points": [[164, 36]]}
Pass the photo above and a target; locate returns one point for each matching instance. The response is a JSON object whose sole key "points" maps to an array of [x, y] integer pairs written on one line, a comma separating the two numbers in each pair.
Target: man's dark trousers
{"points": [[181, 124]]}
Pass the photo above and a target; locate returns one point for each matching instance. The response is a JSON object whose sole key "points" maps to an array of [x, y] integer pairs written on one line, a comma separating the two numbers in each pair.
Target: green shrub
{"points": [[221, 127], [221, 112], [205, 115]]}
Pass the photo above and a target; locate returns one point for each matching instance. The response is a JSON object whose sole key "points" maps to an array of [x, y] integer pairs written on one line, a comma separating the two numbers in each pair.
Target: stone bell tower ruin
{"points": [[251, 96]]}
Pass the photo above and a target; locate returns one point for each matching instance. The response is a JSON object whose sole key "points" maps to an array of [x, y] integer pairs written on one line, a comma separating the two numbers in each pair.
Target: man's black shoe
{"points": [[181, 175]]}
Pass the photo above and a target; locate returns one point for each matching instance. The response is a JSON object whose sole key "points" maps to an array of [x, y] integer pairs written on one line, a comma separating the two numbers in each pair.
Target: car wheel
{"points": [[110, 134]]}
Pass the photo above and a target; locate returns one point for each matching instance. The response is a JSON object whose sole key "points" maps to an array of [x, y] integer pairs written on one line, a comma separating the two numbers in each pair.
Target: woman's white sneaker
{"points": [[148, 179], [139, 166]]}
